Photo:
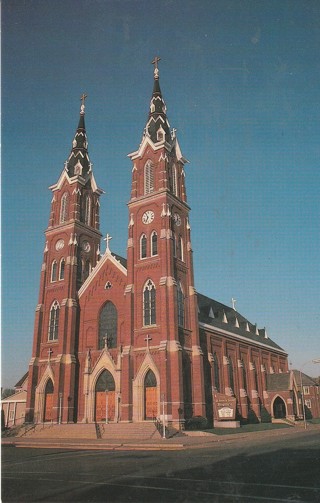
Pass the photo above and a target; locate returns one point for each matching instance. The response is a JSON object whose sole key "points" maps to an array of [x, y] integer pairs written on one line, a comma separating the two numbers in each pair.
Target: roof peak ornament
{"points": [[82, 99], [156, 69]]}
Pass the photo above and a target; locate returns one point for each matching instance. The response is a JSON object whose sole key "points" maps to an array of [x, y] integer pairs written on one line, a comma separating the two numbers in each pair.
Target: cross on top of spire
{"points": [[156, 69], [107, 239], [82, 99]]}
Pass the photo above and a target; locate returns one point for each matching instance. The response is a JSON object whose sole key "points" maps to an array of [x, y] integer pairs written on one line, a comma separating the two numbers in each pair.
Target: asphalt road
{"points": [[274, 469]]}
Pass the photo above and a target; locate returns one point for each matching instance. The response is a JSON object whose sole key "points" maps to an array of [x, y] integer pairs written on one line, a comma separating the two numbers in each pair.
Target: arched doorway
{"points": [[48, 402], [150, 396], [105, 397], [279, 408]]}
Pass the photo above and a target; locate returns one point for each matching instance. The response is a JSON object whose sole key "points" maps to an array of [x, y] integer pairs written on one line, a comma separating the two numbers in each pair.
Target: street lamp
{"points": [[315, 360]]}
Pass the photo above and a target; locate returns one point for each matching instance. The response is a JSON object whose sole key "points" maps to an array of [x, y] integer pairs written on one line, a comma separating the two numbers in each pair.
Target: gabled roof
{"points": [[227, 318], [22, 381], [118, 261], [306, 380]]}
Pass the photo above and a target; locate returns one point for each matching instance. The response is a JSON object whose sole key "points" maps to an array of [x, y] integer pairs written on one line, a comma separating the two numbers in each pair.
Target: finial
{"points": [[107, 239], [156, 69], [233, 301], [82, 99]]}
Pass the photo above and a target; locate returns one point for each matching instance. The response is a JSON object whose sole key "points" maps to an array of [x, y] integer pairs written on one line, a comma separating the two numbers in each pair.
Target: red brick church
{"points": [[128, 338]]}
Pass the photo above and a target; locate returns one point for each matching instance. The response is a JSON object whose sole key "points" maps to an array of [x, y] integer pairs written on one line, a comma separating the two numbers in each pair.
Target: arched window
{"points": [[230, 374], [61, 268], [174, 180], [180, 298], [54, 270], [108, 326], [105, 382], [64, 209], [148, 178], [54, 321], [180, 248], [216, 372], [174, 244], [244, 375], [87, 210], [154, 244], [143, 246], [149, 304], [87, 269], [150, 380]]}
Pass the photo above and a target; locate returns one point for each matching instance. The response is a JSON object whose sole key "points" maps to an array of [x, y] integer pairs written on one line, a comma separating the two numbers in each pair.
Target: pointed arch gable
{"points": [[138, 387], [40, 393]]}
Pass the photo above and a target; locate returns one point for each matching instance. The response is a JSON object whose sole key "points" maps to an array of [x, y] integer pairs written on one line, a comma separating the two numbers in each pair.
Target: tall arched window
{"points": [[154, 244], [149, 304], [148, 177], [61, 268], [180, 298], [64, 209], [230, 374], [174, 180], [108, 326], [87, 269], [87, 210], [54, 271], [180, 248], [244, 375], [54, 321], [143, 246], [216, 372]]}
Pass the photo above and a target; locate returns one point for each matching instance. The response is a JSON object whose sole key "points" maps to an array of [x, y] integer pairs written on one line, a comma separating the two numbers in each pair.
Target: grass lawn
{"points": [[246, 428]]}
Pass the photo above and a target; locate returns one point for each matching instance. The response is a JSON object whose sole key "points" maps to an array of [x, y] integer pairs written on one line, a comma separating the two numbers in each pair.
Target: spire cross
{"points": [[107, 239], [233, 303], [155, 63], [147, 339], [82, 98]]}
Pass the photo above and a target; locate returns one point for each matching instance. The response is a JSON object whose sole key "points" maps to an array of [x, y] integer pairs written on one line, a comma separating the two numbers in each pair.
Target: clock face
{"points": [[86, 246], [177, 219], [147, 217], [59, 244]]}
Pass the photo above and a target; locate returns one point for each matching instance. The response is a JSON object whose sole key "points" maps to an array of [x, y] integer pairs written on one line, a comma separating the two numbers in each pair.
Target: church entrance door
{"points": [[150, 396], [279, 408], [105, 398], [48, 402]]}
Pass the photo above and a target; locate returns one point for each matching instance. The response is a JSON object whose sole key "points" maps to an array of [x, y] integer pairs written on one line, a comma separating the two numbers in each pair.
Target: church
{"points": [[129, 339]]}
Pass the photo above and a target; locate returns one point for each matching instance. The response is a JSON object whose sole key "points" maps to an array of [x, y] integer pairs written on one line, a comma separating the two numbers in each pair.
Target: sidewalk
{"points": [[193, 441]]}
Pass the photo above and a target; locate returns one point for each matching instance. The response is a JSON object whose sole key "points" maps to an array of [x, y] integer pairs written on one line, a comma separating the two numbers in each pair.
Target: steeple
{"points": [[78, 162], [157, 127]]}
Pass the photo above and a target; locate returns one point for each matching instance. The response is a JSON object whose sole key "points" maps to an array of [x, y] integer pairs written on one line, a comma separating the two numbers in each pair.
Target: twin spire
{"points": [[78, 162], [157, 129]]}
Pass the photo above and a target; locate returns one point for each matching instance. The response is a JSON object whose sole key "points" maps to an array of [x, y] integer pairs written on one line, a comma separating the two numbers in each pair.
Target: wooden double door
{"points": [[48, 402], [105, 406], [105, 403], [150, 396]]}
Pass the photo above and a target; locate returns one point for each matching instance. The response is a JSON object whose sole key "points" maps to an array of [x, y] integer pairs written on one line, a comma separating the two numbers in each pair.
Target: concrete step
{"points": [[111, 431]]}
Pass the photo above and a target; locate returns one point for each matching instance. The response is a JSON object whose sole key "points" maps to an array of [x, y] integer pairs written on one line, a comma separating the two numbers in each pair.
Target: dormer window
{"points": [[160, 134], [78, 168]]}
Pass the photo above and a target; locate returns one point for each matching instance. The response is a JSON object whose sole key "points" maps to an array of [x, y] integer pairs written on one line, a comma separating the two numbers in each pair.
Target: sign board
{"points": [[224, 407]]}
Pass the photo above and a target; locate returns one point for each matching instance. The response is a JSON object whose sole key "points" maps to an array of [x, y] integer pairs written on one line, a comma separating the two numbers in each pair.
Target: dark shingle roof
{"points": [[21, 381], [278, 382], [306, 380], [225, 317]]}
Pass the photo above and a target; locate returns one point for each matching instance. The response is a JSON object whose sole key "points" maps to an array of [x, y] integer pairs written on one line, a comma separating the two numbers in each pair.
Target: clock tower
{"points": [[160, 270], [71, 251]]}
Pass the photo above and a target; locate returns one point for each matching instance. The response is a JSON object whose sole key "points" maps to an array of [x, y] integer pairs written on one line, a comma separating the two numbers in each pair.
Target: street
{"points": [[279, 468]]}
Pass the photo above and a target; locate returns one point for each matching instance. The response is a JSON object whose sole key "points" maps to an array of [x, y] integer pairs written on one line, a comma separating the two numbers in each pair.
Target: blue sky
{"points": [[241, 84]]}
